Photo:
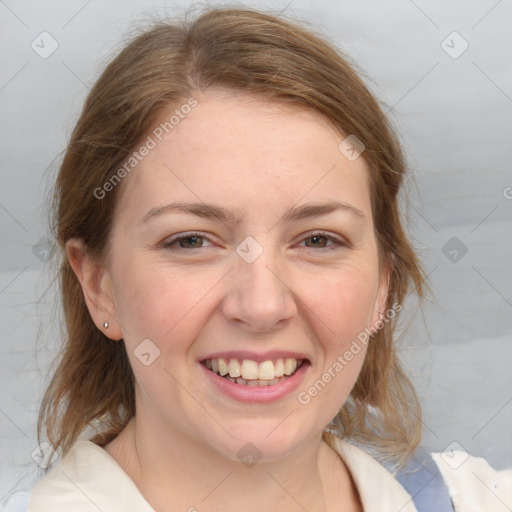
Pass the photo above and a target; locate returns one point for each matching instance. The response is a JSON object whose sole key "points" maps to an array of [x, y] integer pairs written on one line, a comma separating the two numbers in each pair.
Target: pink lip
{"points": [[272, 355], [249, 394]]}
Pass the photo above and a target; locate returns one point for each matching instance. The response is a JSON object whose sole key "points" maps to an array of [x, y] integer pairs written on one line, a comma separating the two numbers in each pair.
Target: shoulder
{"points": [[56, 489], [378, 489], [473, 484], [445, 481], [87, 479]]}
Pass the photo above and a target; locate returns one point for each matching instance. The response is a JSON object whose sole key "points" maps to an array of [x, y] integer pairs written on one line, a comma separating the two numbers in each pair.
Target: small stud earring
{"points": [[105, 325]]}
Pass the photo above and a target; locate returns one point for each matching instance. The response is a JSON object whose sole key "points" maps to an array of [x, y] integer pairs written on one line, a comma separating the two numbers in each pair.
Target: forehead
{"points": [[243, 151]]}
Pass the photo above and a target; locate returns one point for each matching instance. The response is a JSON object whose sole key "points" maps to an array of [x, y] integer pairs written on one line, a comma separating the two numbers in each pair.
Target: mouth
{"points": [[247, 372]]}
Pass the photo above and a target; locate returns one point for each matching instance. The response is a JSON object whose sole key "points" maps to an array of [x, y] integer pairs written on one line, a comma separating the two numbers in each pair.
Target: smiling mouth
{"points": [[251, 373]]}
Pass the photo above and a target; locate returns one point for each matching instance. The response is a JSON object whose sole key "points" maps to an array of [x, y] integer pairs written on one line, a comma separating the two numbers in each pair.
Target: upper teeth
{"points": [[249, 369]]}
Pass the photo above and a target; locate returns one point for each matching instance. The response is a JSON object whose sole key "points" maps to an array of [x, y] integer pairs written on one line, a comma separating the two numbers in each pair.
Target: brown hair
{"points": [[235, 49]]}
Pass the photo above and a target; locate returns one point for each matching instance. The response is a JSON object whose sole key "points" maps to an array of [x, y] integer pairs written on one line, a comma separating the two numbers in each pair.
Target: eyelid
{"points": [[167, 242], [337, 240]]}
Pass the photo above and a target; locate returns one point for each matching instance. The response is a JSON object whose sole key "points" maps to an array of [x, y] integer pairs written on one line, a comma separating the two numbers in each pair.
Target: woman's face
{"points": [[244, 242]]}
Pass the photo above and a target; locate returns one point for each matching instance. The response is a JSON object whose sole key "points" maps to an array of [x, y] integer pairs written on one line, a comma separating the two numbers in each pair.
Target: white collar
{"points": [[88, 470], [378, 489]]}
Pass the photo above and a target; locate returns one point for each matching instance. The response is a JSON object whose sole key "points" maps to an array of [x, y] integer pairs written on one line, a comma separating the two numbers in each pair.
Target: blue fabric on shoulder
{"points": [[422, 479]]}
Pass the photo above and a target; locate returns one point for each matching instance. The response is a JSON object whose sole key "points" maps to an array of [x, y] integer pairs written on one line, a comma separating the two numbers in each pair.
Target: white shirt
{"points": [[88, 479]]}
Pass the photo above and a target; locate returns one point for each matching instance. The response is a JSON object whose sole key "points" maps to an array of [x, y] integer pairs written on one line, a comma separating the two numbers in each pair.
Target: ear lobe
{"points": [[96, 286]]}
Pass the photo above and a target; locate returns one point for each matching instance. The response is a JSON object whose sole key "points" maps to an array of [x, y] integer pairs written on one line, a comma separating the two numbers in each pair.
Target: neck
{"points": [[169, 467]]}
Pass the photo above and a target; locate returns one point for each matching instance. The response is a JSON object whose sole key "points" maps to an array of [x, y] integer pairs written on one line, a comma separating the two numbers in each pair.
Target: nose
{"points": [[259, 296]]}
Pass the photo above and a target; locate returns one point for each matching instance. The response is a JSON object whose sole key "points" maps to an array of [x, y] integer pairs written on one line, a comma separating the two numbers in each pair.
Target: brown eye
{"points": [[317, 241], [190, 242]]}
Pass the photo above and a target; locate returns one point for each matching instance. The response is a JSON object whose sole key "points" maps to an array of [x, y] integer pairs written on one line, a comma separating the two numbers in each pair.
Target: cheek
{"points": [[160, 303], [168, 308], [339, 313], [340, 304]]}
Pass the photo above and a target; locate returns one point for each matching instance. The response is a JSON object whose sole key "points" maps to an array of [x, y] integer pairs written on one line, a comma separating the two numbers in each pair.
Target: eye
{"points": [[187, 241], [322, 241]]}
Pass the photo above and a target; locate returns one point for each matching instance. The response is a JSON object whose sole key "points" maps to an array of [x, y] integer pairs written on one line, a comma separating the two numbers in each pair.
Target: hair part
{"points": [[263, 55]]}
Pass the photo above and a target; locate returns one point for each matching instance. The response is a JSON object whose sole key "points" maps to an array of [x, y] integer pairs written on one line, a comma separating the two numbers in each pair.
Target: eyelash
{"points": [[170, 243]]}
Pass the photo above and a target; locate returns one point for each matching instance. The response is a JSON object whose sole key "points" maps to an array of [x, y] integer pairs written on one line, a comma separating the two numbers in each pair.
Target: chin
{"points": [[253, 443]]}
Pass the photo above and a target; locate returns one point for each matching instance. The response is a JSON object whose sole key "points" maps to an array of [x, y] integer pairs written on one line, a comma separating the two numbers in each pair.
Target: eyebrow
{"points": [[294, 213]]}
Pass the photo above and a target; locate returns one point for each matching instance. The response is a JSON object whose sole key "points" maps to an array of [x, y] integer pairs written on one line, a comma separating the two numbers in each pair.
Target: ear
{"points": [[97, 288], [381, 295]]}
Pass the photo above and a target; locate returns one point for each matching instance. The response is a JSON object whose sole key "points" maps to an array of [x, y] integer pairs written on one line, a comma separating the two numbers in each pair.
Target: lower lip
{"points": [[256, 394]]}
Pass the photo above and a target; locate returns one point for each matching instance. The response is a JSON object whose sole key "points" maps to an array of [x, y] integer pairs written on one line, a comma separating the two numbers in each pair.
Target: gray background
{"points": [[453, 115]]}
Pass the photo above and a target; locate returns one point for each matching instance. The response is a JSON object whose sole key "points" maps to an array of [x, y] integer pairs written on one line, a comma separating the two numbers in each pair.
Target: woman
{"points": [[234, 265]]}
